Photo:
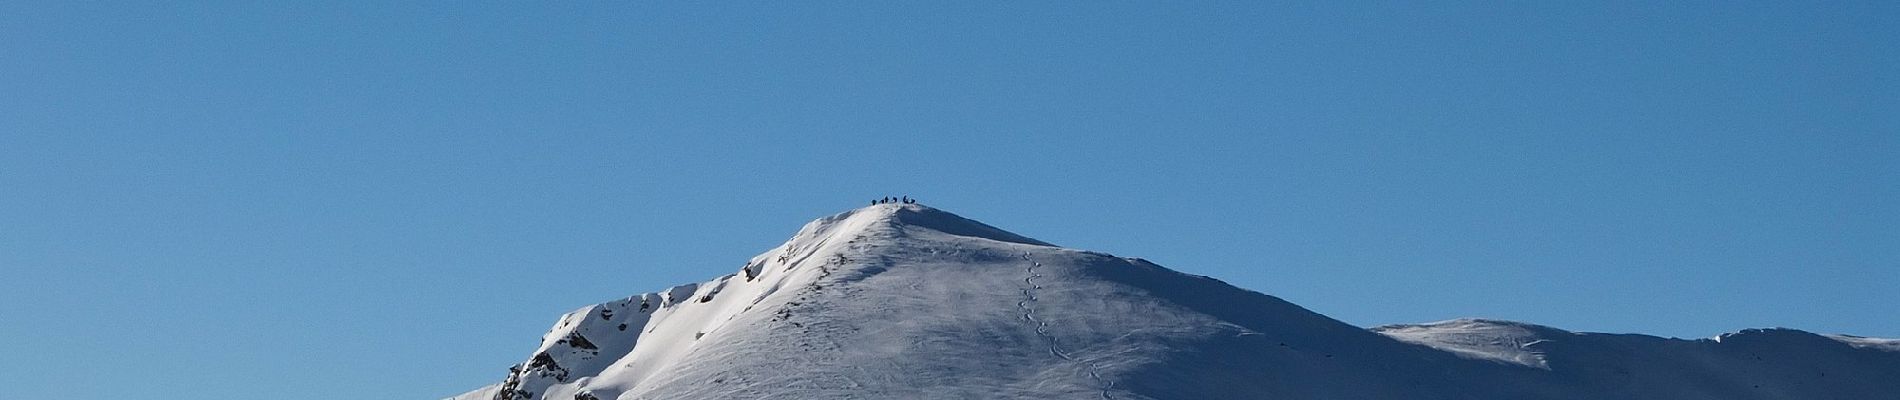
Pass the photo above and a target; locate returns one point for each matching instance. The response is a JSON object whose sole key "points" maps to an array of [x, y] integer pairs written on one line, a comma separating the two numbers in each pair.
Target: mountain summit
{"points": [[907, 301]]}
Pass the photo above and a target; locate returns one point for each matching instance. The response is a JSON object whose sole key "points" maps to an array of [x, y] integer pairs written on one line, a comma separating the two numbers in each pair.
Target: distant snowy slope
{"points": [[906, 301], [1501, 341], [1869, 343]]}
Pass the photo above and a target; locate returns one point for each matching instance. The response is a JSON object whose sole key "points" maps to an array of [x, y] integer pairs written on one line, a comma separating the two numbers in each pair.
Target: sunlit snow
{"points": [[900, 301]]}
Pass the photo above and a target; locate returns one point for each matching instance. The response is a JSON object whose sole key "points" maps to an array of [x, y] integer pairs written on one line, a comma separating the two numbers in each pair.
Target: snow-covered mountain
{"points": [[905, 301]]}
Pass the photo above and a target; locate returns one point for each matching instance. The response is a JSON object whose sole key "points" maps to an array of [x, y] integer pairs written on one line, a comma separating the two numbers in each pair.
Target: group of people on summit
{"points": [[894, 200]]}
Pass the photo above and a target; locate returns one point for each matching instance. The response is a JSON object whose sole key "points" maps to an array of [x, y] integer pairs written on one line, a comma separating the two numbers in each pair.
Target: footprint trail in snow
{"points": [[1042, 328]]}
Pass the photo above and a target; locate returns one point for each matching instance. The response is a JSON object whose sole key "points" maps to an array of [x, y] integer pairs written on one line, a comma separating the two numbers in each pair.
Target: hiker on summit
{"points": [[894, 200]]}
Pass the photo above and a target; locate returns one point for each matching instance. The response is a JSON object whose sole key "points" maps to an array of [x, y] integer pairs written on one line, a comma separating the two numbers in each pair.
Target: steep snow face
{"points": [[632, 339], [906, 301]]}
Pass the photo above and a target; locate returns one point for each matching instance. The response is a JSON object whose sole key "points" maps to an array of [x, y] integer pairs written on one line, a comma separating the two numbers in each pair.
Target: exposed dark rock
{"points": [[541, 364], [575, 340], [544, 364]]}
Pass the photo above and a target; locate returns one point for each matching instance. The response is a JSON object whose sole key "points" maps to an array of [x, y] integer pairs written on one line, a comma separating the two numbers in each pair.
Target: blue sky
{"points": [[224, 200]]}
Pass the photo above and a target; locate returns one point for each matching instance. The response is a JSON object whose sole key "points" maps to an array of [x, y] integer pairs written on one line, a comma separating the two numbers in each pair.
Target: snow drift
{"points": [[906, 301]]}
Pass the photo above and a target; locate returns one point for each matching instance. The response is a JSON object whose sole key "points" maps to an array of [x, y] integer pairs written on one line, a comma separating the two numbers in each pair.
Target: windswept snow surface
{"points": [[905, 301], [1869, 343], [1500, 341]]}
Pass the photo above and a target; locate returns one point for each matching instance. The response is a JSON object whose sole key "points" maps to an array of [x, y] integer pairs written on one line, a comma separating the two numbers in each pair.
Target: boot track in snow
{"points": [[1042, 328]]}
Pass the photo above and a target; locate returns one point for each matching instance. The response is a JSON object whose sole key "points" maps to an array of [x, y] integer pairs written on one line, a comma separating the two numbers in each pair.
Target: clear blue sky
{"points": [[223, 201]]}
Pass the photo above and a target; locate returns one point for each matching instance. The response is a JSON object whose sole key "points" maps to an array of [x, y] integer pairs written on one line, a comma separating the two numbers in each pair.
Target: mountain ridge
{"points": [[910, 301]]}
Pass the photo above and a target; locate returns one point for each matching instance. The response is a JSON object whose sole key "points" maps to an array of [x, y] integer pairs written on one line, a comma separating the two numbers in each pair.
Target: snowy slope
{"points": [[1500, 341], [906, 301]]}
